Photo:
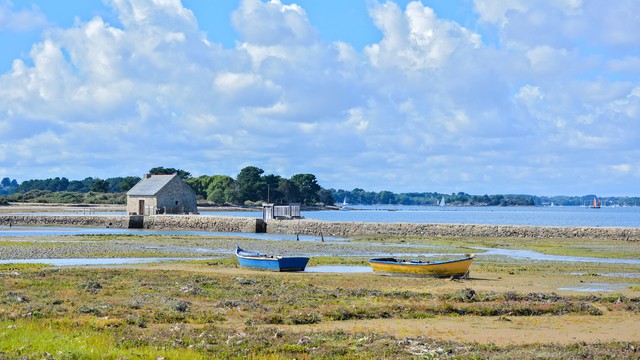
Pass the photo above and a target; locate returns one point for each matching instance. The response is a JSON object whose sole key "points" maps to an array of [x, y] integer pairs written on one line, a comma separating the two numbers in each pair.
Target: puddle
{"points": [[532, 255], [338, 269], [596, 287], [614, 275], [43, 231], [94, 261]]}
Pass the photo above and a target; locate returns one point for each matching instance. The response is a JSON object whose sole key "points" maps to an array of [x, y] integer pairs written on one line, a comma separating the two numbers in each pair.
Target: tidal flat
{"points": [[208, 307]]}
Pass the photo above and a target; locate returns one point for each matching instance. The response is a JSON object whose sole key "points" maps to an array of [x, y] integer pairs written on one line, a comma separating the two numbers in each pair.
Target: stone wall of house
{"points": [[132, 203], [320, 228], [177, 197]]}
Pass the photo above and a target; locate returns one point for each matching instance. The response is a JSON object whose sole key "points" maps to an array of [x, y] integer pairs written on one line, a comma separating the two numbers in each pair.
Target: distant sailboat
{"points": [[345, 204], [442, 203], [596, 203]]}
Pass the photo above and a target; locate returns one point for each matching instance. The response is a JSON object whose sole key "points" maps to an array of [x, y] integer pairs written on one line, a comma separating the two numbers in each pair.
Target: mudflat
{"points": [[208, 307]]}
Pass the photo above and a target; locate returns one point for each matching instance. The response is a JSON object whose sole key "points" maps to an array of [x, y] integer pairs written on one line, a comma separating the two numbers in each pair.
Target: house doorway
{"points": [[140, 207]]}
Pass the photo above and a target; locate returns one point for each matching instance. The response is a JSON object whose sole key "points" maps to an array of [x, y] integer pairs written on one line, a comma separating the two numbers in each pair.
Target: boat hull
{"points": [[392, 266], [275, 264], [254, 260]]}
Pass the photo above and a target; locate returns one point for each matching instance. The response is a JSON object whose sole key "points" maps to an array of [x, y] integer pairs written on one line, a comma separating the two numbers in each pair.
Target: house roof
{"points": [[151, 185]]}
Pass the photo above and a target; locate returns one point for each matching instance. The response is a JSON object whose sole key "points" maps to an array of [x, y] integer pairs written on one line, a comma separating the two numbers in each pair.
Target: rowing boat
{"points": [[392, 266], [255, 260]]}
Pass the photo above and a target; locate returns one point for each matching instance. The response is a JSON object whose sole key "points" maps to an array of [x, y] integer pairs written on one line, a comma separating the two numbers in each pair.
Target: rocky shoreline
{"points": [[319, 228]]}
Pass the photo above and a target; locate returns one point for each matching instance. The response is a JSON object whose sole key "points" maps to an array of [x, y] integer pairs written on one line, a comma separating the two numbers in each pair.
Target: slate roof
{"points": [[151, 185]]}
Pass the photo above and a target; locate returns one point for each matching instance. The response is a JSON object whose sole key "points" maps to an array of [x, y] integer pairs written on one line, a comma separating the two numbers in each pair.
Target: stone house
{"points": [[161, 194]]}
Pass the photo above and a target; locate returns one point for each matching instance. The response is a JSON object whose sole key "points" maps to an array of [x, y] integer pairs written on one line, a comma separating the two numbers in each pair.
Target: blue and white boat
{"points": [[255, 260]]}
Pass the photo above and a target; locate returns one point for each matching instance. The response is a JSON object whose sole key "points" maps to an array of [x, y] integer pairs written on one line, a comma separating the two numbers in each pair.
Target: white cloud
{"points": [[629, 64], [21, 20], [416, 39], [428, 107], [273, 23], [529, 94], [563, 23]]}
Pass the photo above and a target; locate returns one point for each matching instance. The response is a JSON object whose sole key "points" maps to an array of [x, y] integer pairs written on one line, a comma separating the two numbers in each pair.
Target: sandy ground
{"points": [[500, 331], [504, 330]]}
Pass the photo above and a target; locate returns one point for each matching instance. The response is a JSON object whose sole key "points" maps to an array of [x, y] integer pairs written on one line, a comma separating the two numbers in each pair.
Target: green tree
{"points": [[326, 197], [220, 189], [80, 186], [128, 182], [386, 197], [100, 186], [272, 194], [290, 191], [308, 186], [200, 185], [184, 175], [8, 186], [249, 184], [217, 196]]}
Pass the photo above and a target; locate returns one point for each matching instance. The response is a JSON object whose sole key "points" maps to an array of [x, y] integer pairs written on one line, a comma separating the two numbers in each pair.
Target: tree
{"points": [[100, 186], [308, 186], [200, 184], [386, 197], [272, 194], [184, 175], [8, 186], [219, 189], [58, 184], [326, 197], [128, 182], [217, 196], [80, 186], [250, 184], [290, 191]]}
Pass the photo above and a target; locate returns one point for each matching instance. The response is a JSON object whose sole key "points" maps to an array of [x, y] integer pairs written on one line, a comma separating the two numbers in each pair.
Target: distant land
{"points": [[252, 187]]}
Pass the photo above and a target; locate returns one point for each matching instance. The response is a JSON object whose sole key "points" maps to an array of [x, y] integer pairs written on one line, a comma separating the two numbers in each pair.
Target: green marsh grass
{"points": [[205, 309], [95, 313]]}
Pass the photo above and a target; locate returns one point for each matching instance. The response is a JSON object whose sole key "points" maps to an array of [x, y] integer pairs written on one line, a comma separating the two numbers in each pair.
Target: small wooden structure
{"points": [[161, 194], [288, 211]]}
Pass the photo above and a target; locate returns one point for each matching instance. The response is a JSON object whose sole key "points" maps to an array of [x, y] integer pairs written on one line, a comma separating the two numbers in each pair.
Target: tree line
{"points": [[360, 196], [252, 186]]}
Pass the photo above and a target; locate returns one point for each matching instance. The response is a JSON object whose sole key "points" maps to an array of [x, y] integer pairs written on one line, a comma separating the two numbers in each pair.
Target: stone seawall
{"points": [[182, 222], [320, 228], [116, 221], [204, 223], [346, 229]]}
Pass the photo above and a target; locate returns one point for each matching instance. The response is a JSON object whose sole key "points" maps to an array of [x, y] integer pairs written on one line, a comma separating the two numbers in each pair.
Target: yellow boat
{"points": [[392, 266]]}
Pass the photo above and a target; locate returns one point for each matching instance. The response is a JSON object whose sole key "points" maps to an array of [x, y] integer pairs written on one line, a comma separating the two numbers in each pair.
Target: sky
{"points": [[536, 97]]}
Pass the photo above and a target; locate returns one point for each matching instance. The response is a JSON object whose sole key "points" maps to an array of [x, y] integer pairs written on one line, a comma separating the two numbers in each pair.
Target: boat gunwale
{"points": [[409, 263], [264, 257]]}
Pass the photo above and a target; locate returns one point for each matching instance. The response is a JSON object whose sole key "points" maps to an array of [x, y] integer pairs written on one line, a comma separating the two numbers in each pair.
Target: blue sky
{"points": [[480, 96]]}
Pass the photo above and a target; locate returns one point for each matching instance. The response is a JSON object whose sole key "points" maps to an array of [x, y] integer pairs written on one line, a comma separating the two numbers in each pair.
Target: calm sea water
{"points": [[492, 215], [537, 216]]}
